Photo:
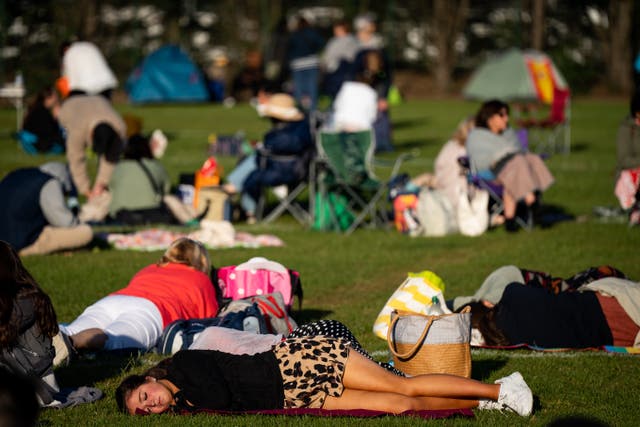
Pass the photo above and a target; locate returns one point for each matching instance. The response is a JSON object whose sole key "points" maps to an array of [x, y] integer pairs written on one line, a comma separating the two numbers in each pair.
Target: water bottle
{"points": [[435, 309]]}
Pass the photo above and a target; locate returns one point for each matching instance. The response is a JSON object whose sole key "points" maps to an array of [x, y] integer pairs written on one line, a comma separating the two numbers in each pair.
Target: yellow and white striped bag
{"points": [[414, 295]]}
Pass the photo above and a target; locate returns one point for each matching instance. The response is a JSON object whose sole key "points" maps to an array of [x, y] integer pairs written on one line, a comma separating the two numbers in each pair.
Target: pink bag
{"points": [[259, 276]]}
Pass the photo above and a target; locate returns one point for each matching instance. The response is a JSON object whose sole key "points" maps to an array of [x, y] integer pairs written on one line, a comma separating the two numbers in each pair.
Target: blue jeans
{"points": [[238, 176], [305, 85]]}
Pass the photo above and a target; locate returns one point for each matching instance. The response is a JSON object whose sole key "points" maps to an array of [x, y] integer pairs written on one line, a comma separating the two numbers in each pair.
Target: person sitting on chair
{"points": [[628, 162], [493, 146], [447, 176], [284, 158]]}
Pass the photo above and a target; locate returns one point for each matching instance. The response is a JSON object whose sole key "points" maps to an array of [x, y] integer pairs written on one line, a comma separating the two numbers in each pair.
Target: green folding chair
{"points": [[343, 170]]}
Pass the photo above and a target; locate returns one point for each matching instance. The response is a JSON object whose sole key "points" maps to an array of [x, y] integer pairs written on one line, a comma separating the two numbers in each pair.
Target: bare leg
{"points": [[89, 339], [530, 199], [393, 402], [363, 374], [509, 205]]}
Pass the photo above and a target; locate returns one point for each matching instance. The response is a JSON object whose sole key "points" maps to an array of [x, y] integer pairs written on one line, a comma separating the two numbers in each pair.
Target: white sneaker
{"points": [[515, 394]]}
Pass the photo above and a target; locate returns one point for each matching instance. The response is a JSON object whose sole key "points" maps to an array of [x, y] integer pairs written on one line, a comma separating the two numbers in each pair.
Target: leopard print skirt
{"points": [[311, 369]]}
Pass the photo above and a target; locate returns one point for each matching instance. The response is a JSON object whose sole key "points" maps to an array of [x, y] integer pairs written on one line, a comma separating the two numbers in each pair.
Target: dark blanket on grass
{"points": [[358, 413], [607, 348]]}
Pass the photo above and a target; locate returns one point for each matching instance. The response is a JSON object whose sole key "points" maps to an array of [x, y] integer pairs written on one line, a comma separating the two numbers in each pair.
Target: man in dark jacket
{"points": [[36, 218]]}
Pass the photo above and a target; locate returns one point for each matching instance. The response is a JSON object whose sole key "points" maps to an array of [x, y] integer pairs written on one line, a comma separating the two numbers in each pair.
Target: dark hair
{"points": [[343, 23], [138, 148], [107, 142], [132, 382], [487, 110], [483, 319], [63, 47], [125, 388], [41, 96], [635, 103], [301, 22], [16, 282]]}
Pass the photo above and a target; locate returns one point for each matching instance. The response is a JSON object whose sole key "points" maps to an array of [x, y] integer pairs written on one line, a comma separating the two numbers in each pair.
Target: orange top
{"points": [[179, 291]]}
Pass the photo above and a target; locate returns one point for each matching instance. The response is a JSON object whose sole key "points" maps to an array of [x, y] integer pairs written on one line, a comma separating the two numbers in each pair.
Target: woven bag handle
{"points": [[413, 350]]}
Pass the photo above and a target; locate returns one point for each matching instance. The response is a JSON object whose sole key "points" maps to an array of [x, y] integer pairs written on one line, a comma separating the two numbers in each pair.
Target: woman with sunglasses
{"points": [[493, 146]]}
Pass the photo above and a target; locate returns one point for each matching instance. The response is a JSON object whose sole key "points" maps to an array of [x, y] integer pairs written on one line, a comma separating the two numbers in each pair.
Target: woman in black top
{"points": [[306, 372], [571, 319]]}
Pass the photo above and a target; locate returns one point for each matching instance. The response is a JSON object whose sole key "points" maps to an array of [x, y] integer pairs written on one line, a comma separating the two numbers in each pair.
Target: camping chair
{"points": [[344, 168], [486, 180], [287, 202], [552, 134]]}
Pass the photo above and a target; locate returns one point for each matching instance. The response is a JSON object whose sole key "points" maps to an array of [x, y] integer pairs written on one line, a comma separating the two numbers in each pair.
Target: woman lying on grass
{"points": [[177, 287], [602, 312], [306, 372]]}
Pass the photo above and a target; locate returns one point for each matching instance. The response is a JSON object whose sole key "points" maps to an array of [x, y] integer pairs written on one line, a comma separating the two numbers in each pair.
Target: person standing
{"points": [[337, 58], [372, 66], [86, 70], [303, 52]]}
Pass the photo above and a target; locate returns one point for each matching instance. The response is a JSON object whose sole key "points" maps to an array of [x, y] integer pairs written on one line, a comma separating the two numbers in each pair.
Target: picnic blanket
{"points": [[213, 234], [358, 413], [607, 348]]}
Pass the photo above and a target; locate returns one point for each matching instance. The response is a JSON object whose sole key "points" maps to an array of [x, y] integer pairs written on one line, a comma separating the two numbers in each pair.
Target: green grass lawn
{"points": [[350, 278]]}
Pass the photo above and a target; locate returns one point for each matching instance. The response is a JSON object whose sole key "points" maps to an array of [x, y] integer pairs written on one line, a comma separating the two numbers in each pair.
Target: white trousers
{"points": [[129, 322]]}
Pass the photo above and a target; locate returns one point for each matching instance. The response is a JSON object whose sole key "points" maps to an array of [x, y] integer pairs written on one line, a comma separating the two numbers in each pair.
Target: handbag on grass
{"points": [[415, 294], [423, 344]]}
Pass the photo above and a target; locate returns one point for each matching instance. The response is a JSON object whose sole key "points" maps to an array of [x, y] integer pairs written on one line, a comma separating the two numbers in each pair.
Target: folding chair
{"points": [[553, 133], [486, 180], [344, 167], [286, 202]]}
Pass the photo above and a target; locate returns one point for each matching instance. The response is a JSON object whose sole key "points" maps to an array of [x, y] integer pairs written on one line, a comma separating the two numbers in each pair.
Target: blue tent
{"points": [[167, 75]]}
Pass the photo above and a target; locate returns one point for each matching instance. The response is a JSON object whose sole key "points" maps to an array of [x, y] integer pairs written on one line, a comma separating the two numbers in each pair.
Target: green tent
{"points": [[516, 75]]}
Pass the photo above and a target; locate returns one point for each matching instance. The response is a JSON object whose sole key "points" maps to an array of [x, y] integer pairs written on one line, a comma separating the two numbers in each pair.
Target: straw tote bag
{"points": [[423, 344]]}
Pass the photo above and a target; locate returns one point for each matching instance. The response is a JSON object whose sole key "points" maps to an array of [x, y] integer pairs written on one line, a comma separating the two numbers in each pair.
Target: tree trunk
{"points": [[449, 16], [537, 24], [89, 25], [619, 69]]}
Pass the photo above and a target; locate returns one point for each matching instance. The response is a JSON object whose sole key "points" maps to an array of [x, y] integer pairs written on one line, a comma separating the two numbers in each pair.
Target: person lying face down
{"points": [[497, 281], [177, 287], [306, 372], [602, 312]]}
